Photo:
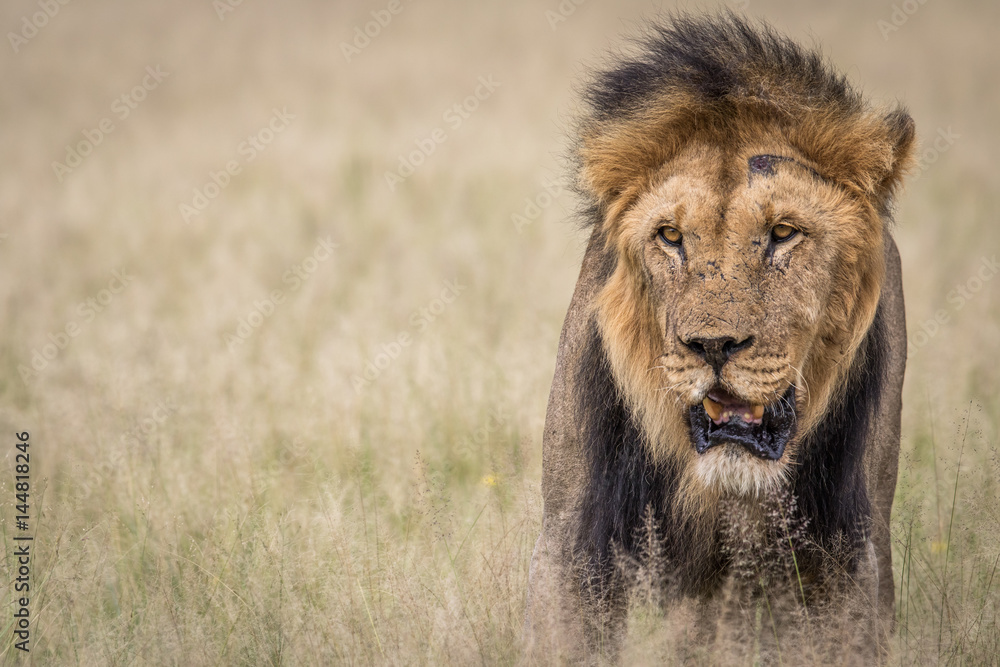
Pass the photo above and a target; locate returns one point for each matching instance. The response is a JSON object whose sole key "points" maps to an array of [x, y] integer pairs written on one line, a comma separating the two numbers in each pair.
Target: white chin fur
{"points": [[733, 471]]}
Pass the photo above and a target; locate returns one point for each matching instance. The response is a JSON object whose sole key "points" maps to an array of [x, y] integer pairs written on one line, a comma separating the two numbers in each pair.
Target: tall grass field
{"points": [[281, 290]]}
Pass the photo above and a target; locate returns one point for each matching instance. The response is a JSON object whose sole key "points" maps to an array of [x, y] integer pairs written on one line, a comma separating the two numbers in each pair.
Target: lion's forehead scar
{"points": [[764, 165]]}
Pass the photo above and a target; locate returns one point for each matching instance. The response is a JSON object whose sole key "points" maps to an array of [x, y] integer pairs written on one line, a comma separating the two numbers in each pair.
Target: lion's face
{"points": [[743, 285]]}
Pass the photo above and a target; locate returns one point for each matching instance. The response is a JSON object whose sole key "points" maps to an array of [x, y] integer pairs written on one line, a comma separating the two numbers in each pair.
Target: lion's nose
{"points": [[716, 351]]}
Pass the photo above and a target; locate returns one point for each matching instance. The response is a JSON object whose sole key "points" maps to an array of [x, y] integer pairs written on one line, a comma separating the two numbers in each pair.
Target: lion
{"points": [[737, 333]]}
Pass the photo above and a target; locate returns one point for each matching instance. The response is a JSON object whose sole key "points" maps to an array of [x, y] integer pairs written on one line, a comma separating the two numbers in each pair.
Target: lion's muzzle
{"points": [[762, 430]]}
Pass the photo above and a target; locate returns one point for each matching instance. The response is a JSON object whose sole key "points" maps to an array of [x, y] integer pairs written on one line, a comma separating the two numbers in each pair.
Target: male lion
{"points": [[735, 346]]}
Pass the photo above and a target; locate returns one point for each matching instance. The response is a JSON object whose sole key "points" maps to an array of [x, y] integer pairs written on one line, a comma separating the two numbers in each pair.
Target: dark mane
{"points": [[675, 133], [623, 484], [716, 76], [719, 59], [827, 481]]}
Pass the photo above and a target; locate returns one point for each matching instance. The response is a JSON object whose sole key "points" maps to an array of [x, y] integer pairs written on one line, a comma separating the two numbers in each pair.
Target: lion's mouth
{"points": [[763, 430]]}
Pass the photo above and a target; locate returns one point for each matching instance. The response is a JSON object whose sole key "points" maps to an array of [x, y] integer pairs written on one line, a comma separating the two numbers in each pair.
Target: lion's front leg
{"points": [[565, 622]]}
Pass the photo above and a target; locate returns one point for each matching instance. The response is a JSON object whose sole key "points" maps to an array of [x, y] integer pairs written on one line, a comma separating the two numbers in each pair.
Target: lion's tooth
{"points": [[713, 409], [758, 412]]}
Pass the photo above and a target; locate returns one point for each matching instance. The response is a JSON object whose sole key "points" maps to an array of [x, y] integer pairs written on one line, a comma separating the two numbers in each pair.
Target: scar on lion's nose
{"points": [[716, 351]]}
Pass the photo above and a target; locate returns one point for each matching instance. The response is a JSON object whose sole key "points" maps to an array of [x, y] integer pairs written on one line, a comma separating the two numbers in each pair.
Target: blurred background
{"points": [[282, 286]]}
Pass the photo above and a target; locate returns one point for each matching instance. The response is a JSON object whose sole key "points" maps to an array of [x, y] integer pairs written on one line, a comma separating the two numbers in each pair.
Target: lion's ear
{"points": [[902, 133], [870, 151], [614, 158]]}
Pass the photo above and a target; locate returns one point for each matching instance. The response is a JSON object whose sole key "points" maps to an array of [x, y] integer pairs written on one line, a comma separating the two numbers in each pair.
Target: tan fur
{"points": [[683, 160], [832, 304]]}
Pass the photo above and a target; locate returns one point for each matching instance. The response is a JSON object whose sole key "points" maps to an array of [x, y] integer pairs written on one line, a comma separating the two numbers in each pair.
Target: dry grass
{"points": [[195, 504]]}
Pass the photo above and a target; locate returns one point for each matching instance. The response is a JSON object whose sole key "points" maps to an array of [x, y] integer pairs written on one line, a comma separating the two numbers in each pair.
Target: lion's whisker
{"points": [[805, 385]]}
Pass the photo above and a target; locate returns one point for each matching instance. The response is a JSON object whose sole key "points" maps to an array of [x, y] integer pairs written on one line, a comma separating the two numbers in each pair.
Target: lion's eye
{"points": [[670, 236], [783, 232]]}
